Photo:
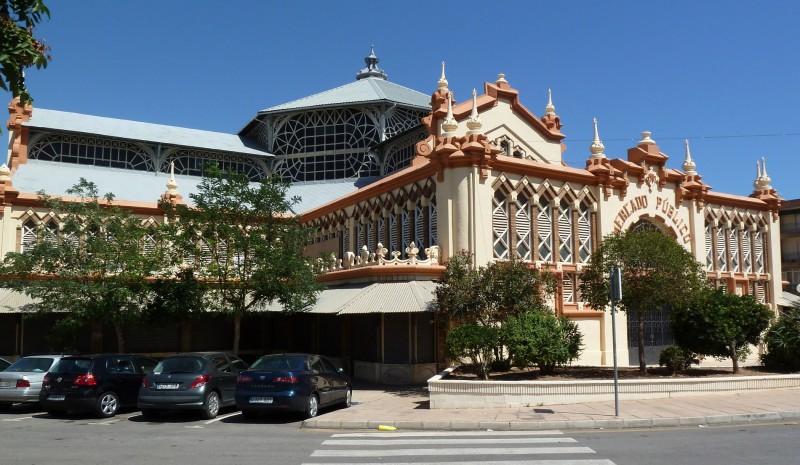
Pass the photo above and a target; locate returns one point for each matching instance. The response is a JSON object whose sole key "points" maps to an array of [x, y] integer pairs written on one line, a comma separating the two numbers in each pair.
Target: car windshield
{"points": [[72, 365], [279, 362], [31, 365], [180, 365]]}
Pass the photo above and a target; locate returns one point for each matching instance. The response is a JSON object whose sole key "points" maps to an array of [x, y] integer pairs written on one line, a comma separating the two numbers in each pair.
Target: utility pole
{"points": [[616, 295]]}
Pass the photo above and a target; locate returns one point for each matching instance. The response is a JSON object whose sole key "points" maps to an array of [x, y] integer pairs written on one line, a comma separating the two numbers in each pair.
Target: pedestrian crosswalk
{"points": [[454, 448]]}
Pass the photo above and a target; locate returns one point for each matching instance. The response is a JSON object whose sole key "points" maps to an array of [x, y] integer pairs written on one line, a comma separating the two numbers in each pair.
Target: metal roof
{"points": [[55, 178], [367, 90], [138, 131]]}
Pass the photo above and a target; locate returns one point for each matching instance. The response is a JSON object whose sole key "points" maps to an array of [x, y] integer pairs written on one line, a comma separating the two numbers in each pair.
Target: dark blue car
{"points": [[292, 382]]}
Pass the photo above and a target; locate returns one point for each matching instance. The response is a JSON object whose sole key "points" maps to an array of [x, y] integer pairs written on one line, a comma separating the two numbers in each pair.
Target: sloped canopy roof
{"points": [[137, 131], [367, 90]]}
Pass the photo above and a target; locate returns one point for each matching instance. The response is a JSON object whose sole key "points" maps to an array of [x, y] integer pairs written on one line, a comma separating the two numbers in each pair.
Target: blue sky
{"points": [[725, 75]]}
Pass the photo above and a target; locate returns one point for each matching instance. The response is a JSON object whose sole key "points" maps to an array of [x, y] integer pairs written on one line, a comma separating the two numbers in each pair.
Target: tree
{"points": [[245, 244], [783, 342], [542, 339], [720, 324], [94, 267], [19, 48], [474, 344], [657, 272]]}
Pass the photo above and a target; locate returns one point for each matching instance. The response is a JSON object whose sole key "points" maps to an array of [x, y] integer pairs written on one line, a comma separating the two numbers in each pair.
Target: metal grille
{"points": [[432, 221], [359, 237], [500, 227], [371, 236], [722, 262], [568, 287], [327, 166], [709, 249], [93, 151], [345, 241], [746, 251], [192, 162], [395, 333], [402, 119], [400, 154], [544, 230], [405, 241], [326, 130], [656, 329], [394, 244], [584, 234], [382, 232], [426, 339], [522, 230], [28, 235], [758, 243], [565, 232], [733, 244], [419, 230]]}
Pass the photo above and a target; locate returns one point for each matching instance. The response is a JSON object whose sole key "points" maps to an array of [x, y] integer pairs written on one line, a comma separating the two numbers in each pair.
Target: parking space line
{"points": [[221, 418], [16, 419]]}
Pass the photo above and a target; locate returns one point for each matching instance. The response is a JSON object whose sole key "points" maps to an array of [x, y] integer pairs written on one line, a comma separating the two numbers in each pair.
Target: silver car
{"points": [[22, 381]]}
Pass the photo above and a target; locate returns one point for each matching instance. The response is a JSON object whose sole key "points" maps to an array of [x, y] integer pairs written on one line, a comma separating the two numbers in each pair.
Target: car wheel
{"points": [[312, 406], [348, 398], [249, 414], [211, 406], [5, 406], [107, 404], [149, 414]]}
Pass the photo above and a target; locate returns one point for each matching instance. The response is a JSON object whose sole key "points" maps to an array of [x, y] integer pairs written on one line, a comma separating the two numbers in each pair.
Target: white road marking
{"points": [[16, 419], [221, 418], [390, 442], [455, 452], [504, 462], [448, 433]]}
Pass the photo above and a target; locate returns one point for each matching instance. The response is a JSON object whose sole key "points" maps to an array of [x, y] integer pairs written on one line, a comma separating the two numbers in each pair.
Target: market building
{"points": [[395, 182]]}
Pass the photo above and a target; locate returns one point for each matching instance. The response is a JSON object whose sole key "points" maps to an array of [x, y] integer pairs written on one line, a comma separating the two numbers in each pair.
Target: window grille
{"points": [[192, 163], [746, 251], [565, 231], [402, 119], [761, 292], [433, 238], [758, 242], [733, 244], [500, 225], [400, 154], [371, 236], [382, 232], [405, 240], [419, 230], [522, 231], [28, 239], [568, 286], [709, 248], [584, 233], [345, 240], [149, 242], [722, 261], [327, 166], [394, 244], [359, 237], [93, 151], [326, 131], [544, 231]]}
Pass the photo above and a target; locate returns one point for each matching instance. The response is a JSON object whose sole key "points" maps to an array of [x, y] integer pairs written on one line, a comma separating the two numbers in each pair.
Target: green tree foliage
{"points": [[94, 268], [720, 324], [19, 48], [677, 359], [656, 272], [473, 344], [246, 244], [783, 342], [542, 339], [176, 297]]}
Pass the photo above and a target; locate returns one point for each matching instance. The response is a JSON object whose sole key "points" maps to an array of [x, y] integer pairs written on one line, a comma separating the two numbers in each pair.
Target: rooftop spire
{"points": [[597, 146], [688, 164], [443, 80], [550, 109], [372, 69], [172, 184], [764, 180], [474, 122], [449, 125]]}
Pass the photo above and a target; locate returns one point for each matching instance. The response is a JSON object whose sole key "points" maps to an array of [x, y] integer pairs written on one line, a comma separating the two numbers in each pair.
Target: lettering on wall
{"points": [[662, 205]]}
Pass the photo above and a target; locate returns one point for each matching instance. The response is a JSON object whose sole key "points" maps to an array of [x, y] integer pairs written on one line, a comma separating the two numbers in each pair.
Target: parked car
{"points": [[22, 381], [4, 364], [198, 381], [98, 383], [295, 382]]}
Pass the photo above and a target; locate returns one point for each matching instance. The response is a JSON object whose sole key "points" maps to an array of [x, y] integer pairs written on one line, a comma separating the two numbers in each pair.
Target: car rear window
{"points": [[180, 365], [31, 365], [72, 365], [280, 362]]}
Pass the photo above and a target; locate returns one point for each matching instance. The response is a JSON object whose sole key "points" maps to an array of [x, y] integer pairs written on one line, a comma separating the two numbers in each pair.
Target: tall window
{"points": [[544, 230], [522, 232], [500, 225]]}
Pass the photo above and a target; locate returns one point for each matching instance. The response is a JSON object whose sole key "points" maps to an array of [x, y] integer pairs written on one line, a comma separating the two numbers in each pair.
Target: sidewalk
{"points": [[407, 409]]}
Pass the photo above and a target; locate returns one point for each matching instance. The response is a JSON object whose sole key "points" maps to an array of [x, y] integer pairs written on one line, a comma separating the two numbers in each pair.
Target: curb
{"points": [[410, 425]]}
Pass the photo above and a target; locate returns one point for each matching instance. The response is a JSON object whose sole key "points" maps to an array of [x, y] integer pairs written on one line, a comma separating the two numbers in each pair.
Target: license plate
{"points": [[55, 397], [5, 384], [168, 386], [261, 400]]}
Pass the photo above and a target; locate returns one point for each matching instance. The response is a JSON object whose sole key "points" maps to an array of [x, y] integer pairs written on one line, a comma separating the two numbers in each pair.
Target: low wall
{"points": [[445, 393], [386, 373]]}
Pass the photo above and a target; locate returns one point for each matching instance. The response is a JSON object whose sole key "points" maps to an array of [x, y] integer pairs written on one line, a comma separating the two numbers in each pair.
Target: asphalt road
{"points": [[28, 436]]}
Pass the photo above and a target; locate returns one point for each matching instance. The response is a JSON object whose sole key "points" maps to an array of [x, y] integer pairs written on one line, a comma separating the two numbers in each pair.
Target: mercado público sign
{"points": [[667, 210]]}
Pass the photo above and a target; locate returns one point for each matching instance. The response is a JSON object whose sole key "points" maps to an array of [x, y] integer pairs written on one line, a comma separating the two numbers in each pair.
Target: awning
{"points": [[12, 301], [787, 299]]}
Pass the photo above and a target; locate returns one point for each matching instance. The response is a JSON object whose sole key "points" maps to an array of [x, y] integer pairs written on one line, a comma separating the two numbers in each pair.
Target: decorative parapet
{"points": [[446, 393], [378, 257]]}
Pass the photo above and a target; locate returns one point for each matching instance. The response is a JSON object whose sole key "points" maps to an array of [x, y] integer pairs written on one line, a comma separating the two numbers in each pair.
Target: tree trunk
{"points": [[734, 358], [120, 338], [642, 358], [237, 331]]}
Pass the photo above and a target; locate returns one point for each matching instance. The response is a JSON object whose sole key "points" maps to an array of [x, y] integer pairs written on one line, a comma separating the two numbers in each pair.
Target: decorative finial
{"points": [[765, 180], [501, 79], [172, 184], [372, 69], [597, 146], [450, 124], [5, 173], [474, 122], [646, 140], [443, 80], [550, 109], [689, 166]]}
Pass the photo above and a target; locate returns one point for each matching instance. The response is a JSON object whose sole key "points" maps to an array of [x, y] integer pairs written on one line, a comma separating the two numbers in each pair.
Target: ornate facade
{"points": [[395, 182]]}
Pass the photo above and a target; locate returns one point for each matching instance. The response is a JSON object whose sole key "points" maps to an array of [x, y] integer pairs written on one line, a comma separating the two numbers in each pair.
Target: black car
{"points": [[295, 382], [98, 383], [200, 381]]}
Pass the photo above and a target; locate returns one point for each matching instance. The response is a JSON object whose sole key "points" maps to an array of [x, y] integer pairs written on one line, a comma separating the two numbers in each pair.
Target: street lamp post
{"points": [[616, 295]]}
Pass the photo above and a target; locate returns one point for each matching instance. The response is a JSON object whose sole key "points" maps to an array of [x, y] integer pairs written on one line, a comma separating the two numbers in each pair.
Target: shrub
{"points": [[677, 359], [542, 339], [783, 343], [474, 345]]}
